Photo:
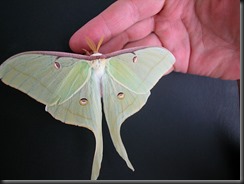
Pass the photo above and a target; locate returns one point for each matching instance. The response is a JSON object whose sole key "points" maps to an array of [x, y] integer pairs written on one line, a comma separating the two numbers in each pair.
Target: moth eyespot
{"points": [[57, 65], [134, 59], [83, 101], [120, 95]]}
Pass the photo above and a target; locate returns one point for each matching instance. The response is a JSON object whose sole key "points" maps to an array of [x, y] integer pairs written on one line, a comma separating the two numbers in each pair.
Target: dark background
{"points": [[188, 130]]}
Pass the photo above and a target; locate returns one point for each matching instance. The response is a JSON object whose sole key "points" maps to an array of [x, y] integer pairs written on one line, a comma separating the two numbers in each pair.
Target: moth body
{"points": [[98, 67]]}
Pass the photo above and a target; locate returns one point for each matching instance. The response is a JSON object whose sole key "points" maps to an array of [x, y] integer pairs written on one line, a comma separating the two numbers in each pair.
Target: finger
{"points": [[114, 20], [175, 37], [150, 40], [136, 32]]}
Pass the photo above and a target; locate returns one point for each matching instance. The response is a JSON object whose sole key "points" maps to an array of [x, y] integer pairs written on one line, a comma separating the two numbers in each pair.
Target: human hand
{"points": [[203, 35]]}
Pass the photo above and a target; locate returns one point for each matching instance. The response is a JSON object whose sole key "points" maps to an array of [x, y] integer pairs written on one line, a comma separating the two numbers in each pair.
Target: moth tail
{"points": [[98, 156], [119, 146]]}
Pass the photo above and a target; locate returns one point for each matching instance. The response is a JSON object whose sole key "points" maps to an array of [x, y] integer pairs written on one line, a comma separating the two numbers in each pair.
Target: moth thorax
{"points": [[98, 66]]}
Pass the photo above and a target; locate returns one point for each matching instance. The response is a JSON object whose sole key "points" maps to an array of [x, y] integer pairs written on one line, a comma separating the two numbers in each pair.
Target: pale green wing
{"points": [[84, 109], [47, 78], [118, 104], [140, 70]]}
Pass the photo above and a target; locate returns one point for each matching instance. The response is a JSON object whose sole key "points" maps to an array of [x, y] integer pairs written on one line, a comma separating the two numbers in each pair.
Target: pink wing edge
{"points": [[80, 56]]}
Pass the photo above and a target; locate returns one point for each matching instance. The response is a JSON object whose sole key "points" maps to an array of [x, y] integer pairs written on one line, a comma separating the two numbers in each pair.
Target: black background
{"points": [[188, 130]]}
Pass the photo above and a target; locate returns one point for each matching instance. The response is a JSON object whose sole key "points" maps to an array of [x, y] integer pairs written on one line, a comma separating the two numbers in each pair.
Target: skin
{"points": [[203, 35]]}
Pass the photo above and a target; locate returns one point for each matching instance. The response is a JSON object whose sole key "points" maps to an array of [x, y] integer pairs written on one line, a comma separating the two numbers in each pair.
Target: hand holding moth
{"points": [[204, 36], [71, 85]]}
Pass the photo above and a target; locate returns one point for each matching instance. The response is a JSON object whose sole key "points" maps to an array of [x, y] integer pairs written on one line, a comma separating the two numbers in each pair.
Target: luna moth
{"points": [[73, 86]]}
